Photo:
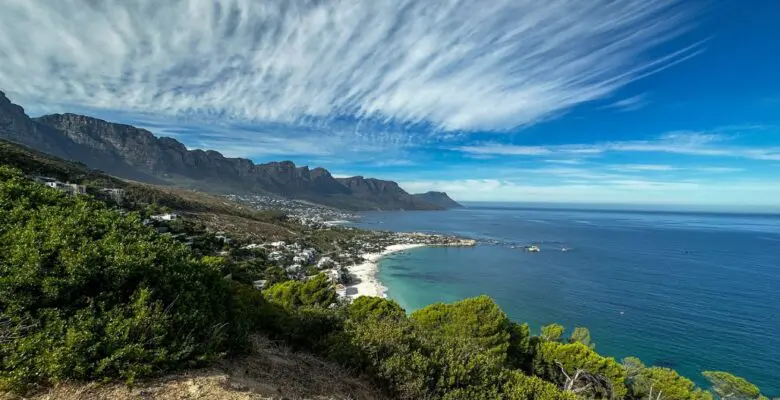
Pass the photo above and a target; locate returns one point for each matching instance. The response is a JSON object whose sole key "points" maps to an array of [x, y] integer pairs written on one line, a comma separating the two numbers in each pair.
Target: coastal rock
{"points": [[440, 199]]}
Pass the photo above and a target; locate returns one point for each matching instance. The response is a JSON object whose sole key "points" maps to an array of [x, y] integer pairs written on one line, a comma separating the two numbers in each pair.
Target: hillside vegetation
{"points": [[89, 293]]}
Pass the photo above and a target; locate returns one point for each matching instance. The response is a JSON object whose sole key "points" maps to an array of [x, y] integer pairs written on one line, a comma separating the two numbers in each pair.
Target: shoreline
{"points": [[365, 272]]}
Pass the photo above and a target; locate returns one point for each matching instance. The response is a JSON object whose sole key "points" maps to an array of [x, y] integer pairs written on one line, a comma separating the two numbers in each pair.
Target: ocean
{"points": [[689, 291]]}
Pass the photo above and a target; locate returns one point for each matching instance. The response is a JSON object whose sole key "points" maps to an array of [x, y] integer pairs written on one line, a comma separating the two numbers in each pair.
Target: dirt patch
{"points": [[271, 372]]}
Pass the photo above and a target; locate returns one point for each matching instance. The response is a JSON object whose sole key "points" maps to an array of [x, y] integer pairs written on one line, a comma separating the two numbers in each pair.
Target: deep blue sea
{"points": [[690, 291]]}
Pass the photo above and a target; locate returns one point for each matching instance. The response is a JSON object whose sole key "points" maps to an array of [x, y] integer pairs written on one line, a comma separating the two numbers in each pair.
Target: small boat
{"points": [[532, 248]]}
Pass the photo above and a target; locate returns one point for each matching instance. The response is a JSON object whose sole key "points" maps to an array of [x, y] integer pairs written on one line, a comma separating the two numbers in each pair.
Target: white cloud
{"points": [[567, 161], [453, 64], [275, 141], [504, 150], [630, 103], [685, 143], [618, 191], [644, 167], [718, 170]]}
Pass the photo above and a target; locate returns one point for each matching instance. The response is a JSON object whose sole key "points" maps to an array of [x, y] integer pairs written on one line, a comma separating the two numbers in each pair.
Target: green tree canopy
{"points": [[476, 318], [582, 335], [315, 292], [366, 307], [89, 292], [730, 387], [552, 332], [557, 362], [664, 383]]}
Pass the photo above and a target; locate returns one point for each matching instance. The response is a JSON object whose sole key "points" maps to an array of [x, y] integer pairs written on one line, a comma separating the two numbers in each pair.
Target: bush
{"points": [[551, 357], [477, 318], [89, 293], [290, 295]]}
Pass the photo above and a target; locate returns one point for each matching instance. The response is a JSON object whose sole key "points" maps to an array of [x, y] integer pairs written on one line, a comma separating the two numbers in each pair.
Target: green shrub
{"points": [[728, 386], [478, 318], [519, 386], [551, 357], [89, 293], [315, 292]]}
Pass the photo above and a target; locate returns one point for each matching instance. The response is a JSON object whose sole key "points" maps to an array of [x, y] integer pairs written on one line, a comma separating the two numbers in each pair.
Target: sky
{"points": [[604, 101]]}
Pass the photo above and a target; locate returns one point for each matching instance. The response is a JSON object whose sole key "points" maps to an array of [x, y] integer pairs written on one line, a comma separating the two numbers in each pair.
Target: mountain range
{"points": [[132, 153]]}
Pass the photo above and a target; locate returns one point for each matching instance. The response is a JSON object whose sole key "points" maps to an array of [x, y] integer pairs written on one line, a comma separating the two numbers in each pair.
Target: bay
{"points": [[689, 291]]}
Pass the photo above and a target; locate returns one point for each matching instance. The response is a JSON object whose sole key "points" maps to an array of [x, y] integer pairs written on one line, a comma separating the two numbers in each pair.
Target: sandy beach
{"points": [[365, 273]]}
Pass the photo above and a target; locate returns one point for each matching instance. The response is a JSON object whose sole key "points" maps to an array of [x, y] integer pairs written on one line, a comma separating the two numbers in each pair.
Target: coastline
{"points": [[365, 272]]}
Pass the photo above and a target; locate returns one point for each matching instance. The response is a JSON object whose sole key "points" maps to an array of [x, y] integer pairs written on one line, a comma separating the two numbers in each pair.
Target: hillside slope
{"points": [[440, 199], [270, 372], [129, 152]]}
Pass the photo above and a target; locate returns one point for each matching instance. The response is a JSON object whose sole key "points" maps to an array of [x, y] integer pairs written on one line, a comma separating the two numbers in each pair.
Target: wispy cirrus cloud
{"points": [[451, 64], [682, 143], [630, 103], [607, 191]]}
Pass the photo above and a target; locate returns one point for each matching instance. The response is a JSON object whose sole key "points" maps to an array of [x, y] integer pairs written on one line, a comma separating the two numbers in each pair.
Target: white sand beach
{"points": [[365, 273]]}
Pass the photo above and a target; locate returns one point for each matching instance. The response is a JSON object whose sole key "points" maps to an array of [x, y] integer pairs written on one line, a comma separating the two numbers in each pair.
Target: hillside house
{"points": [[165, 217]]}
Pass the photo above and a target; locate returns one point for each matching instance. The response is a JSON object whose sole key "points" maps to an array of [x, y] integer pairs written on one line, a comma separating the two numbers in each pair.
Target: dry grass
{"points": [[271, 372], [244, 228]]}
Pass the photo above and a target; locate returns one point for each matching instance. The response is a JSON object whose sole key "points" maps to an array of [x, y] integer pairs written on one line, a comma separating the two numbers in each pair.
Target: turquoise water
{"points": [[682, 290]]}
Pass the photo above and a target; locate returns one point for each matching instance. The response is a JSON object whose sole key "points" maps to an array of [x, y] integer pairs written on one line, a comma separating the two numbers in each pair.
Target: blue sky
{"points": [[634, 101]]}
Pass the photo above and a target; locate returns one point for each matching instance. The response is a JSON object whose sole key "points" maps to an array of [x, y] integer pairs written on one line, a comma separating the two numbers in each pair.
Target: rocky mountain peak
{"points": [[129, 152]]}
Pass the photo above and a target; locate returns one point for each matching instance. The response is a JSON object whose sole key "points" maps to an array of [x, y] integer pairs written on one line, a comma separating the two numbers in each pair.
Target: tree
{"points": [[576, 367], [552, 332], [92, 293], [656, 383], [519, 386], [519, 353], [582, 335], [376, 308], [729, 387], [476, 318], [316, 292]]}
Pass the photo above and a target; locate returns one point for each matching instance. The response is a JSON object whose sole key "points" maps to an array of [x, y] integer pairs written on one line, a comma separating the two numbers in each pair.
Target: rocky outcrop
{"points": [[129, 152], [386, 195], [440, 199]]}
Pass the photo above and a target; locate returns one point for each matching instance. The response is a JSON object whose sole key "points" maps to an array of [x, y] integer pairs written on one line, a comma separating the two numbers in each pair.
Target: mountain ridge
{"points": [[440, 199], [134, 153]]}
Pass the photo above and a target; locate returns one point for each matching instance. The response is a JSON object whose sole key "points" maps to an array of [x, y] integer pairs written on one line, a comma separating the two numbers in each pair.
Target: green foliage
{"points": [[478, 318], [641, 380], [519, 354], [582, 335], [552, 332], [519, 386], [728, 386], [375, 308], [550, 357], [443, 351], [90, 293], [315, 292]]}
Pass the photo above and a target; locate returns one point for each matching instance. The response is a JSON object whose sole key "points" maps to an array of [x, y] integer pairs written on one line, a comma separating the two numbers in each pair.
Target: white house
{"points": [[165, 217], [326, 262]]}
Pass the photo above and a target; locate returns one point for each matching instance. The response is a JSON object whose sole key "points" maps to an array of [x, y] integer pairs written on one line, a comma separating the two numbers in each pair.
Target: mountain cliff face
{"points": [[137, 154], [440, 199], [385, 194]]}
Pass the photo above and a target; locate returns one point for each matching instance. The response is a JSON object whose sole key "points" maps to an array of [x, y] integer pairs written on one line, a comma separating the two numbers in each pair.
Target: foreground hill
{"points": [[129, 152], [271, 371]]}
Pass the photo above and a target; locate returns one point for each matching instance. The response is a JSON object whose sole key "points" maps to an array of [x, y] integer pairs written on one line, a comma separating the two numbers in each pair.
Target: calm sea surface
{"points": [[690, 291]]}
